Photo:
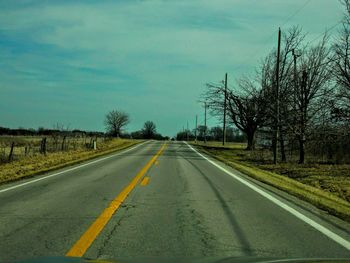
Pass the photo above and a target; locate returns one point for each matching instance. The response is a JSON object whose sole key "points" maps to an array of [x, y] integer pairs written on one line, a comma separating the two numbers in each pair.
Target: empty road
{"points": [[164, 200]]}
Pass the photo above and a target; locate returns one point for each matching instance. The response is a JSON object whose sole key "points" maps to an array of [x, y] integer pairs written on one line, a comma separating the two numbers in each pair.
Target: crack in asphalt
{"points": [[246, 247], [109, 235]]}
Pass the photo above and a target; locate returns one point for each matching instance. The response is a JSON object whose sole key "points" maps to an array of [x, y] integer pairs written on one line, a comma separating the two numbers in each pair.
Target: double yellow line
{"points": [[85, 241]]}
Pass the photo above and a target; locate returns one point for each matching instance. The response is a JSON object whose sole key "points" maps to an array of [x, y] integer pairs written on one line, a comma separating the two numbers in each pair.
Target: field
{"points": [[30, 162], [30, 145], [315, 182]]}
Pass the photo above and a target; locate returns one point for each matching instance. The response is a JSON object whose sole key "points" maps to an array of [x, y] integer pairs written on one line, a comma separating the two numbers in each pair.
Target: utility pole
{"points": [[224, 126], [195, 130], [295, 76], [277, 117], [205, 122], [303, 117], [187, 131], [295, 56]]}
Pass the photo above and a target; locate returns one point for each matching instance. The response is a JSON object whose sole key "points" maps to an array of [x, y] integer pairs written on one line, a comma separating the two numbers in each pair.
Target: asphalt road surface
{"points": [[156, 200]]}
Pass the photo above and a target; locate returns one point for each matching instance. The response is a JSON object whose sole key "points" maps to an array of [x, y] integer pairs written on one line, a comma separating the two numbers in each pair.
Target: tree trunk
{"points": [[302, 137], [302, 149], [251, 140], [283, 151]]}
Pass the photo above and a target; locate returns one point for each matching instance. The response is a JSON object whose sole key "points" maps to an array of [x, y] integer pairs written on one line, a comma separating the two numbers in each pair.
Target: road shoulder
{"points": [[317, 213]]}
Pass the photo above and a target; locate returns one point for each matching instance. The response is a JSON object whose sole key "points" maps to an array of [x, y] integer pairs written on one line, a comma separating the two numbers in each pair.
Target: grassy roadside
{"points": [[326, 200], [38, 164]]}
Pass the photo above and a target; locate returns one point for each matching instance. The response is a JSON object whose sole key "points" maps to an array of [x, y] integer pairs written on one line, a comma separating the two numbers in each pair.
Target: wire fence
{"points": [[17, 147], [330, 147]]}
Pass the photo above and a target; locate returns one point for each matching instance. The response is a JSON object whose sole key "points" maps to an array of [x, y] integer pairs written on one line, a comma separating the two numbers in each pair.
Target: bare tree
{"points": [[341, 68], [346, 4], [291, 40], [248, 110], [302, 88], [115, 121], [312, 90], [246, 106], [305, 89], [149, 130], [201, 129], [216, 133]]}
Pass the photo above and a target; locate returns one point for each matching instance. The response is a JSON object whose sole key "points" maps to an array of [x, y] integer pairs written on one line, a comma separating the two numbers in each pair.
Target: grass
{"points": [[25, 146], [326, 186], [37, 164]]}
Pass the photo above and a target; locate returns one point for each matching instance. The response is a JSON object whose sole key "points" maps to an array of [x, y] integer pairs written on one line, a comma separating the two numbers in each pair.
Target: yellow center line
{"points": [[145, 181], [85, 241]]}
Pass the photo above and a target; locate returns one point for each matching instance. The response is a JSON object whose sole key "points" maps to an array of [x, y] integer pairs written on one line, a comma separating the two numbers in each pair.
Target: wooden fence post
{"points": [[43, 146], [63, 141], [11, 152]]}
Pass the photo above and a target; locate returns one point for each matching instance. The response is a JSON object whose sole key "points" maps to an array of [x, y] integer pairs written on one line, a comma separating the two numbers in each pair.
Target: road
{"points": [[182, 205]]}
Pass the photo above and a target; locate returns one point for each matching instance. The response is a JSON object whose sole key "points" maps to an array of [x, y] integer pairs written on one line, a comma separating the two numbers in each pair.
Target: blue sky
{"points": [[70, 62]]}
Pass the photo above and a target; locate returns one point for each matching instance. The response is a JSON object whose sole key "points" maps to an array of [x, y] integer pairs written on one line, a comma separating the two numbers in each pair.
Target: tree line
{"points": [[116, 120], [211, 134], [312, 105], [41, 131]]}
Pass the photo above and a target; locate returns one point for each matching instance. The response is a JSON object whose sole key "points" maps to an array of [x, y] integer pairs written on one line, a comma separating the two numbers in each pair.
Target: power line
{"points": [[326, 32], [276, 31], [224, 124], [253, 54], [323, 64], [276, 133], [295, 13]]}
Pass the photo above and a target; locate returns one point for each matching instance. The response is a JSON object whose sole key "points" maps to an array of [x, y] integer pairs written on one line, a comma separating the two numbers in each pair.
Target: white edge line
{"points": [[341, 241], [71, 169]]}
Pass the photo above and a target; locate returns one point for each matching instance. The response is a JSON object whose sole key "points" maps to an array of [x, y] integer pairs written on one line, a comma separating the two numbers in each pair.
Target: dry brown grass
{"points": [[228, 145], [26, 146], [39, 163]]}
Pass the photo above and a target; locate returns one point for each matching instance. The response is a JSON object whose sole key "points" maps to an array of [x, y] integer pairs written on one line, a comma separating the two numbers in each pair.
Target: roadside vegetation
{"points": [[39, 163], [293, 113], [16, 147], [116, 120], [325, 185], [297, 102], [27, 152]]}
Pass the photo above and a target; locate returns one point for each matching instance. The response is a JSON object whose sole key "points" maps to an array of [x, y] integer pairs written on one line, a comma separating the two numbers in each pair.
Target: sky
{"points": [[70, 62]]}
